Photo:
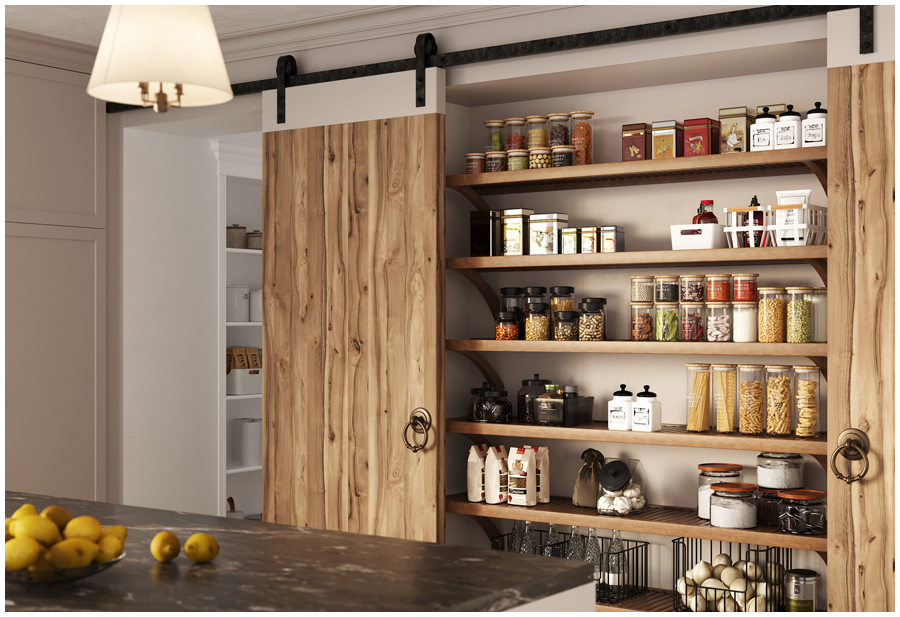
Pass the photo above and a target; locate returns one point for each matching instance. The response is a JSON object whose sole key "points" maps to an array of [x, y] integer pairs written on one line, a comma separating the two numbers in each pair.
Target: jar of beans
{"points": [[565, 326], [718, 288], [771, 315], [746, 320], [641, 321], [535, 295], [666, 288], [560, 129], [507, 328], [718, 322], [693, 321], [642, 289], [475, 163], [591, 322], [799, 314], [537, 132], [778, 400], [583, 137], [537, 322], [518, 159], [539, 158], [744, 286], [667, 325], [496, 135], [692, 288], [562, 155], [806, 401], [496, 161], [516, 134]]}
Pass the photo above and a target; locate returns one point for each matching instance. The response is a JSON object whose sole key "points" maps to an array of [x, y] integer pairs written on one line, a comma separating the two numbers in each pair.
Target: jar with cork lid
{"points": [[537, 132]]}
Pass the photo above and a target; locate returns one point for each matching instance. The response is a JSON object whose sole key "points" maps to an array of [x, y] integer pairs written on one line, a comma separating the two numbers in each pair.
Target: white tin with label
{"points": [[646, 412]]}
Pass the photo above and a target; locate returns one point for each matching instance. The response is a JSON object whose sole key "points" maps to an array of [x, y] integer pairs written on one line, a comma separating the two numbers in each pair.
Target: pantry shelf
{"points": [[244, 251], [238, 469], [670, 435], [657, 520], [652, 601], [241, 397], [683, 169], [807, 350], [243, 323]]}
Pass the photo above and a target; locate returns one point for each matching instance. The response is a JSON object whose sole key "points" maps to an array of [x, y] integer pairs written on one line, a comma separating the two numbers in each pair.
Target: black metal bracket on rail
{"points": [[427, 55], [287, 68]]}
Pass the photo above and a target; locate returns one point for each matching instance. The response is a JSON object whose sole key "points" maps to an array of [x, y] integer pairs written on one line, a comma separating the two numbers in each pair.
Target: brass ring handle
{"points": [[853, 452], [420, 422]]}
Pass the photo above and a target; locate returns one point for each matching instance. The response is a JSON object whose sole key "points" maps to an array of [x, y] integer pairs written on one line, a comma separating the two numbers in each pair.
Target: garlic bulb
{"points": [[605, 503], [638, 502], [613, 493], [632, 490], [622, 505]]}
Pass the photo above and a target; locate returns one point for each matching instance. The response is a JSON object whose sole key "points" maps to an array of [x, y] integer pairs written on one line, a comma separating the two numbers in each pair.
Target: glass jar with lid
{"points": [[820, 314], [718, 287], [539, 158], [743, 287], [771, 315], [802, 512], [778, 400], [583, 137], [698, 397], [751, 395], [724, 381], [692, 288], [561, 299], [733, 505], [507, 326], [474, 395], [516, 134], [591, 322], [560, 129], [537, 322], [666, 288], [799, 314], [746, 322], [714, 473], [779, 470], [693, 321], [475, 163], [565, 326], [493, 407], [512, 299], [496, 161], [517, 160], [642, 289], [495, 133], [641, 321], [806, 401], [718, 321], [535, 294], [667, 324], [561, 156], [537, 132], [768, 506], [531, 389], [621, 488], [602, 303]]}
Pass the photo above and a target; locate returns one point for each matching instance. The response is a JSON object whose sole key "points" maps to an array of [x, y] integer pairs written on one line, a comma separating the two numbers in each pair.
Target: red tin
{"points": [[701, 137], [637, 141]]}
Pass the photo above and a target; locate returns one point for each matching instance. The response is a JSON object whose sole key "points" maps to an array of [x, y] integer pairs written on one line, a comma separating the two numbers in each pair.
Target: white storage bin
{"points": [[707, 236], [244, 381], [797, 225], [741, 231]]}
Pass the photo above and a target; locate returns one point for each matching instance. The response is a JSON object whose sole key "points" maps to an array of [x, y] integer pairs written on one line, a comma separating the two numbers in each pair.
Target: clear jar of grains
{"points": [[537, 322], [733, 506], [724, 381], [537, 132], [778, 400], [565, 326], [750, 398], [746, 322], [799, 314], [806, 401], [718, 321], [666, 288], [642, 289], [714, 473], [771, 315]]}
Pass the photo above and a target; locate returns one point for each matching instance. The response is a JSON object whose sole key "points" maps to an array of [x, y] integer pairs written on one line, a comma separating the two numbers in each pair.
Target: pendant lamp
{"points": [[164, 56]]}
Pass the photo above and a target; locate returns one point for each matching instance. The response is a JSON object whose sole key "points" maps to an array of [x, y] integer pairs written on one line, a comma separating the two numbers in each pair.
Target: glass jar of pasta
{"points": [[771, 315], [583, 137], [806, 401], [750, 398], [641, 321], [799, 314], [724, 381], [698, 397], [778, 400]]}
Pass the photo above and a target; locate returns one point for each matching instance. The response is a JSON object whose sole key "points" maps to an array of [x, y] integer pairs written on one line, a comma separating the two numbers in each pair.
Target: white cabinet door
{"points": [[56, 361], [55, 148]]}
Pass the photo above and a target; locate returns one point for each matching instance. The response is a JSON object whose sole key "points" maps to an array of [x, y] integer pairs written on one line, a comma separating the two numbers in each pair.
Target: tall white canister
{"points": [[248, 441], [237, 303], [256, 309]]}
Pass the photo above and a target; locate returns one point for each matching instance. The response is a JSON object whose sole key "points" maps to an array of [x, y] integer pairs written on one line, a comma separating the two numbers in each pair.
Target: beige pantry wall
{"points": [[646, 212]]}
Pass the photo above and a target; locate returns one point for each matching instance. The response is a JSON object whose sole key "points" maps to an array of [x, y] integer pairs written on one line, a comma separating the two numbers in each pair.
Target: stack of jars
{"points": [[558, 139], [531, 314], [793, 315]]}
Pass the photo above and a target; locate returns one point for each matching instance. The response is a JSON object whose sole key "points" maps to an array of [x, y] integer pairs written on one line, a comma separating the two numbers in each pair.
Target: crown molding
{"points": [[49, 51], [237, 158]]}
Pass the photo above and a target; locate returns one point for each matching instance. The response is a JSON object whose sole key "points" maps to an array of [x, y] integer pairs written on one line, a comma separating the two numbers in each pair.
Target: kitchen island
{"points": [[263, 566]]}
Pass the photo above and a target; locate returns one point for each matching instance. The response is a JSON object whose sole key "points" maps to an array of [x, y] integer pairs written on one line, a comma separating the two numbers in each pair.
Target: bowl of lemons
{"points": [[52, 547]]}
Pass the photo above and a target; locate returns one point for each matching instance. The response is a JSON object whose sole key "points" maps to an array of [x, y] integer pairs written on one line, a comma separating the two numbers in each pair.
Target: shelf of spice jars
{"points": [[656, 520], [651, 601], [670, 435], [660, 171], [800, 350], [775, 255]]}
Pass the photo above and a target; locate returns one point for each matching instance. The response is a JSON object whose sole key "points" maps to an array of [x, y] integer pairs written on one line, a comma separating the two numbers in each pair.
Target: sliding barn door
{"points": [[353, 326]]}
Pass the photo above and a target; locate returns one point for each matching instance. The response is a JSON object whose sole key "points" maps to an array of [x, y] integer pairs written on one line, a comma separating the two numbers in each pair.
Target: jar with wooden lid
{"points": [[641, 321], [718, 322], [537, 132], [751, 398], [583, 137], [806, 401], [539, 158], [516, 134], [476, 163], [698, 397], [496, 161], [666, 288], [778, 400], [517, 160], [733, 506], [745, 320], [718, 287], [495, 133], [692, 288], [714, 473], [771, 315], [799, 314], [642, 289], [744, 287], [667, 323], [802, 512], [561, 156], [560, 129], [724, 381], [693, 321]]}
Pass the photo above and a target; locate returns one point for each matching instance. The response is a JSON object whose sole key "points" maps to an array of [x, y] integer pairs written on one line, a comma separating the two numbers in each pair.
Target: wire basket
{"points": [[557, 549], [771, 564]]}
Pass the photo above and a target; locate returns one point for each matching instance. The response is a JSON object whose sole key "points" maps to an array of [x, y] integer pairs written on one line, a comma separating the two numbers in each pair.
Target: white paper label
{"points": [[617, 415], [641, 416], [814, 133], [785, 135]]}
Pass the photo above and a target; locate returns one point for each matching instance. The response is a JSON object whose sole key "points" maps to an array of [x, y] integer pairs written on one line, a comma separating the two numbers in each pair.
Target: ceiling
{"points": [[84, 24]]}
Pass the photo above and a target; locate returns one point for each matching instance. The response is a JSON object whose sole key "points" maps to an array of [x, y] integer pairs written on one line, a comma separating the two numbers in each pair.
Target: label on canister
{"points": [[801, 597]]}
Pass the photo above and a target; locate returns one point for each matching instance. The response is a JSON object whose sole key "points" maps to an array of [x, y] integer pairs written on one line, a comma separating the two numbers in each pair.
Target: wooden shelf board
{"points": [[241, 397], [243, 323], [657, 520], [670, 435], [644, 259], [641, 347], [685, 169], [652, 601], [244, 251], [238, 469]]}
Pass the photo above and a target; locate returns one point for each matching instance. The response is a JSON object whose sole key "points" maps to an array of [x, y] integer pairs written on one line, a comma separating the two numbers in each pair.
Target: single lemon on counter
{"points": [[73, 553], [8, 535], [115, 530], [32, 526], [110, 548], [86, 527], [24, 511], [165, 546], [201, 548], [58, 515], [22, 552], [42, 569]]}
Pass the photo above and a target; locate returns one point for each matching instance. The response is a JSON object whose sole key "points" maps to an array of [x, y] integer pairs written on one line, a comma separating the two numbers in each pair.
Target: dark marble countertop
{"points": [[262, 566]]}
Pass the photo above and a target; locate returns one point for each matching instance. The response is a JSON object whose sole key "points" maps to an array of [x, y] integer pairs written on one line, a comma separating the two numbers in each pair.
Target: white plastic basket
{"points": [[706, 236], [797, 225], [244, 381], [741, 232]]}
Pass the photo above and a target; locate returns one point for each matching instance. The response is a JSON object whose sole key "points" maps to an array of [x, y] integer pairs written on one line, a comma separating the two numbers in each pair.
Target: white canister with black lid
{"points": [[787, 130], [619, 410], [646, 412], [815, 127], [762, 133]]}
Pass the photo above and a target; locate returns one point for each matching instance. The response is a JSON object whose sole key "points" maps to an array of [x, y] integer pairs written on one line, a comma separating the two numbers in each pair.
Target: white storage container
{"points": [[248, 441], [746, 228], [244, 381], [237, 303], [256, 305], [705, 236]]}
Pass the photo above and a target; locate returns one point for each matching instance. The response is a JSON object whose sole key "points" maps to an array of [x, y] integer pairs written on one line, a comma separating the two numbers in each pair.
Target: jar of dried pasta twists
{"points": [[750, 398], [724, 378], [583, 137], [771, 315], [806, 401], [698, 396], [778, 400]]}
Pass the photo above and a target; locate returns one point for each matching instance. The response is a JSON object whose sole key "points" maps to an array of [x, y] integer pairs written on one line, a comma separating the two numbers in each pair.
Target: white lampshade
{"points": [[160, 45]]}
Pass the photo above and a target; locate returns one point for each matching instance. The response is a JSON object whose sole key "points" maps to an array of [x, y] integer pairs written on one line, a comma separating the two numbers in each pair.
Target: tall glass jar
{"points": [[537, 132], [495, 136], [583, 137], [641, 321], [771, 315], [517, 160], [820, 314], [744, 288], [693, 321], [560, 129], [642, 289], [698, 396], [666, 288], [714, 473], [667, 324], [565, 326], [806, 401], [591, 322], [535, 294], [778, 400], [733, 506], [561, 299], [746, 322], [768, 506], [531, 389], [537, 322], [516, 134], [718, 287], [802, 512], [507, 326], [751, 398], [718, 321], [799, 314], [779, 470], [511, 299], [692, 288], [724, 378]]}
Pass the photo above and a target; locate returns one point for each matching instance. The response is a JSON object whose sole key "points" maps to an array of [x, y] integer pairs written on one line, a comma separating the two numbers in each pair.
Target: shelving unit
{"points": [[641, 347], [242, 397], [233, 468], [248, 324], [244, 251]]}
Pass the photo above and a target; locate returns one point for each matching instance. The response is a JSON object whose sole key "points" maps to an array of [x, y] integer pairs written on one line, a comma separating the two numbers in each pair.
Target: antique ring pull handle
{"points": [[420, 422], [854, 444]]}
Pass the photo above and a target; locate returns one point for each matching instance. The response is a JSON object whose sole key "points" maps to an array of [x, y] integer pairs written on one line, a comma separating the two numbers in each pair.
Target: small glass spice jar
{"points": [[565, 326], [733, 506], [537, 322], [539, 158], [560, 129], [562, 155], [517, 160], [641, 321], [475, 163], [507, 327], [496, 161], [746, 322], [820, 314], [718, 287], [495, 133], [535, 295], [693, 321], [588, 239], [771, 315], [591, 322], [583, 137], [718, 322], [802, 512], [714, 473], [806, 401], [768, 502], [751, 396], [778, 400], [692, 288], [779, 470], [724, 381], [744, 287], [667, 323], [642, 289], [511, 299], [537, 132], [799, 314], [516, 134], [569, 241], [698, 397], [666, 288]]}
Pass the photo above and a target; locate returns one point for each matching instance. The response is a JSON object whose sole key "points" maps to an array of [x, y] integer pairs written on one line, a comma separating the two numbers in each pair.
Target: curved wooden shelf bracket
{"points": [[487, 525], [487, 292], [821, 268], [822, 460], [480, 440], [821, 362], [485, 367], [472, 195], [820, 169], [823, 555]]}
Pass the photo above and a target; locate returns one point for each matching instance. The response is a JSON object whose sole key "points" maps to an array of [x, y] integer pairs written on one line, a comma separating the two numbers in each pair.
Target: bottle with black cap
{"points": [[762, 133], [646, 412], [619, 410], [814, 127], [787, 130]]}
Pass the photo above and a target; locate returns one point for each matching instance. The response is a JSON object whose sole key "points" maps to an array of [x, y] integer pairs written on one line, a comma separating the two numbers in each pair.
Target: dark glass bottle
{"points": [[705, 214]]}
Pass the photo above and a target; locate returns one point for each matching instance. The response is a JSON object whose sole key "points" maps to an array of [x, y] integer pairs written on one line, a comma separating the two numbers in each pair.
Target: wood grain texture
{"points": [[861, 332], [819, 350], [353, 326]]}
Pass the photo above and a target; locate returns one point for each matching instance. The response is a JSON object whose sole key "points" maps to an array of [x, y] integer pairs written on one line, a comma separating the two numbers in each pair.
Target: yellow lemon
{"points": [[24, 511], [8, 535], [116, 530], [165, 546], [73, 553], [201, 548], [22, 552], [32, 526], [110, 548], [84, 527], [42, 569], [58, 515]]}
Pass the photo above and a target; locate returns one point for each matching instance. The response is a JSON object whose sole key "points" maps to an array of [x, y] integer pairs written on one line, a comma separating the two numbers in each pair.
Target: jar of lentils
{"points": [[799, 314], [771, 315], [641, 321], [591, 322], [642, 289], [692, 288], [539, 158], [496, 135], [560, 129], [518, 160], [537, 322], [718, 288], [718, 322], [565, 326], [666, 288], [537, 132], [516, 134], [562, 155]]}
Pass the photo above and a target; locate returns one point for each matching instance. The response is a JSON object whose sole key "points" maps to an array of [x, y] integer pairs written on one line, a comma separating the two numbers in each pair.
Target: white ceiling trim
{"points": [[308, 22], [49, 51]]}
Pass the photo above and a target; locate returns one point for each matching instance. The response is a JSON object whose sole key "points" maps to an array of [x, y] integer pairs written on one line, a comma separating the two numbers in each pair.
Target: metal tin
{"points": [[800, 586], [485, 233], [735, 129], [569, 241], [516, 237], [254, 240], [612, 239], [701, 136], [236, 237], [668, 139], [637, 142], [773, 109], [544, 232], [589, 238]]}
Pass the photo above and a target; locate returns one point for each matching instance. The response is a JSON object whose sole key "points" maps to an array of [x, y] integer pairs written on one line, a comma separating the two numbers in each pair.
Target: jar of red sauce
{"points": [[744, 288], [718, 287]]}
